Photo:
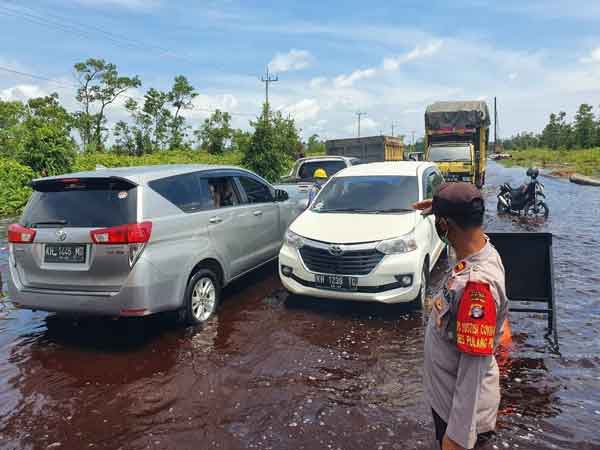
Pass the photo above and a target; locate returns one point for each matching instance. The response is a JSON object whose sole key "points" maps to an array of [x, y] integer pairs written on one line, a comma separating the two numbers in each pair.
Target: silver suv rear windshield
{"points": [[78, 202]]}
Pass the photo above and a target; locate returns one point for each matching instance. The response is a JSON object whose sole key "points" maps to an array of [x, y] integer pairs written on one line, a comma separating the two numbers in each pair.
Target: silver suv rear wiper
{"points": [[49, 222]]}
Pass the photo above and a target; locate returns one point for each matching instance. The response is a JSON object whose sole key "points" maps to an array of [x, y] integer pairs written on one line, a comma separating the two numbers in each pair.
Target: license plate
{"points": [[336, 282], [64, 253]]}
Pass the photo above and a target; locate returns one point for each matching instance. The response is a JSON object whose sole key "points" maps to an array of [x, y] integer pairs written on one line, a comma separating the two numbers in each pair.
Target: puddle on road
{"points": [[280, 372]]}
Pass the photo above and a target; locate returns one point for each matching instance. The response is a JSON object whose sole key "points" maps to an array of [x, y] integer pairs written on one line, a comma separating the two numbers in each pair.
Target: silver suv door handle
{"points": [[257, 213], [215, 220]]}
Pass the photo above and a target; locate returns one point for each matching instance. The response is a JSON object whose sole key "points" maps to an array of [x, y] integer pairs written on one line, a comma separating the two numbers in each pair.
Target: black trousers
{"points": [[440, 431]]}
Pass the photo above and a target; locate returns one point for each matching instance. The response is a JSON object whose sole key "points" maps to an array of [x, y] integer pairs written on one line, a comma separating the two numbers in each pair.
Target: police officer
{"points": [[319, 176], [466, 323]]}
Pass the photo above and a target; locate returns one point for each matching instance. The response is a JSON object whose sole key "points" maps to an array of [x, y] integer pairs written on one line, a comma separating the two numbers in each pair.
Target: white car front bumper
{"points": [[380, 285]]}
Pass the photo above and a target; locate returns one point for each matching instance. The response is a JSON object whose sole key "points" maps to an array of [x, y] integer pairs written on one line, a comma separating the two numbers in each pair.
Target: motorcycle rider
{"points": [[320, 176], [466, 324]]}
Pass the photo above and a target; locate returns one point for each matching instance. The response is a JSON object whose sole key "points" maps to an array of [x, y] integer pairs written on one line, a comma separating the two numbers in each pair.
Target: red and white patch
{"points": [[476, 320]]}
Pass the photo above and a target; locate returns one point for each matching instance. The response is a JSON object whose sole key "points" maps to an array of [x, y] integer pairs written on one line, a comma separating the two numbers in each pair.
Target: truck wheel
{"points": [[202, 296]]}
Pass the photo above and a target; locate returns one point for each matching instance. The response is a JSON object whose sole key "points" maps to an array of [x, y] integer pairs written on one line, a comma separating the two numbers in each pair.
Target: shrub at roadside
{"points": [[88, 161], [585, 162], [14, 186]]}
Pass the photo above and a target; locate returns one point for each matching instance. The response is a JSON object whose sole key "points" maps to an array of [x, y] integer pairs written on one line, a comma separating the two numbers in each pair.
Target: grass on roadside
{"points": [[585, 162]]}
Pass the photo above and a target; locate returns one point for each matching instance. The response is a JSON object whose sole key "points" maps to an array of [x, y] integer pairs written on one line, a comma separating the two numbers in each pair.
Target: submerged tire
{"points": [[502, 208], [540, 209], [202, 297], [419, 302]]}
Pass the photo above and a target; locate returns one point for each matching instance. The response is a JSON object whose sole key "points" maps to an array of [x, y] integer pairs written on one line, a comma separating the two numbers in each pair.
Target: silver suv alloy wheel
{"points": [[204, 298]]}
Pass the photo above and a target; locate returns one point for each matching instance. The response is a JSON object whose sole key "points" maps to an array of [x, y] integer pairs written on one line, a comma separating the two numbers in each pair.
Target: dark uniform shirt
{"points": [[461, 387]]}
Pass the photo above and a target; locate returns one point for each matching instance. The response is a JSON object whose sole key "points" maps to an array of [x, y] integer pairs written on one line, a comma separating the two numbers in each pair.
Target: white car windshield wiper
{"points": [[395, 210], [351, 210]]}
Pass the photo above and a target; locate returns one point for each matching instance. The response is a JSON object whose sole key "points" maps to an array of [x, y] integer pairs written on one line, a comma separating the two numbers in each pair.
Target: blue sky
{"points": [[389, 59]]}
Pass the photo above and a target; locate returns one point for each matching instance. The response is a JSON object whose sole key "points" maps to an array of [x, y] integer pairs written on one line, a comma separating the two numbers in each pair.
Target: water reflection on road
{"points": [[275, 371]]}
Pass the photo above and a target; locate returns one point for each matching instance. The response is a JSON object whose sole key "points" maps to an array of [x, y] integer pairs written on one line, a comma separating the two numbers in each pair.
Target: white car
{"points": [[361, 240]]}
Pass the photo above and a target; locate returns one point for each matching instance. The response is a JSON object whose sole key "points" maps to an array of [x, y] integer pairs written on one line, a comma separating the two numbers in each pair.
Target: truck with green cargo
{"points": [[456, 138]]}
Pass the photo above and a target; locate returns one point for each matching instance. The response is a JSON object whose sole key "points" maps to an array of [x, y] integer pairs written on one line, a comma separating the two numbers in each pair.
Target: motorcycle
{"points": [[527, 199]]}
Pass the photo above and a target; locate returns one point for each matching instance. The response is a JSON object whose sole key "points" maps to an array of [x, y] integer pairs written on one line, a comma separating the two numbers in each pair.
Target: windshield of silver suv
{"points": [[367, 194]]}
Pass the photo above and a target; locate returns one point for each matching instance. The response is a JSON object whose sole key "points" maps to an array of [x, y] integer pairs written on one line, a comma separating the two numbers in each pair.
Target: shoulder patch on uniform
{"points": [[460, 267], [476, 320]]}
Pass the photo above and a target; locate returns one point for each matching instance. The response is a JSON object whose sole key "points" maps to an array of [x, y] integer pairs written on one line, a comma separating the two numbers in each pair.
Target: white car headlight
{"points": [[402, 244], [294, 239]]}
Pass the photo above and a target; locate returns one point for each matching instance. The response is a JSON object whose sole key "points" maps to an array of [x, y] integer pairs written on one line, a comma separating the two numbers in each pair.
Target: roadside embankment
{"points": [[15, 177], [562, 163]]}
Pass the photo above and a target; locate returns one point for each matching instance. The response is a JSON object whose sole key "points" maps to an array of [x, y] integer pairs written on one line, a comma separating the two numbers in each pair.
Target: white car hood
{"points": [[352, 228]]}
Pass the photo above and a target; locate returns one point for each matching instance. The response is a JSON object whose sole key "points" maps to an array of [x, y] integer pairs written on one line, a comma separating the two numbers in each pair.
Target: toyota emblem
{"points": [[336, 250], [61, 235]]}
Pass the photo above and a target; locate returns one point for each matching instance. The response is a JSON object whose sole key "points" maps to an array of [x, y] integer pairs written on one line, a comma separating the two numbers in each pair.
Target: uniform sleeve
{"points": [[472, 366], [462, 421]]}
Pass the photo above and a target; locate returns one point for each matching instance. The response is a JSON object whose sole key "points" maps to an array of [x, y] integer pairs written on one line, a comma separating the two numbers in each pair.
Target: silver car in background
{"points": [[137, 241]]}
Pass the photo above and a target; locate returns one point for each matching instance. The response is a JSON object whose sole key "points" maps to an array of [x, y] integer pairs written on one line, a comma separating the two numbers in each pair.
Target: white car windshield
{"points": [[450, 153], [368, 195]]}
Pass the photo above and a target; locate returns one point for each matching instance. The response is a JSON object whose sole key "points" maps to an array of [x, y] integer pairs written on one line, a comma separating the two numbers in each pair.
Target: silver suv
{"points": [[137, 241]]}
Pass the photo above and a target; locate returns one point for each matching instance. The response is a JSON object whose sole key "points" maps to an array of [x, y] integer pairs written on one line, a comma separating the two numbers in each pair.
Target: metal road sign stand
{"points": [[529, 266]]}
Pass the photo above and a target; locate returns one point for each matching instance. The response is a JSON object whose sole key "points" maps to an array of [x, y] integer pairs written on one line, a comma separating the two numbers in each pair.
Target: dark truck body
{"points": [[368, 149], [455, 124]]}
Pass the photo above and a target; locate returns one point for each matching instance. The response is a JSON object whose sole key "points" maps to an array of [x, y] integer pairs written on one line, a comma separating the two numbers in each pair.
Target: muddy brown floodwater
{"points": [[276, 372]]}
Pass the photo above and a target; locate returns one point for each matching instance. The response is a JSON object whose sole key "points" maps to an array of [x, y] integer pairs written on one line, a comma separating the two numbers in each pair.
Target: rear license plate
{"points": [[336, 282], [64, 253]]}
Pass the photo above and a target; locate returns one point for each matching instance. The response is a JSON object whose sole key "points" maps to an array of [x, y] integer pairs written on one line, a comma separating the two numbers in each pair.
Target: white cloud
{"points": [[593, 57], [305, 109], [394, 63], [317, 82], [513, 76], [342, 81], [22, 92], [292, 60]]}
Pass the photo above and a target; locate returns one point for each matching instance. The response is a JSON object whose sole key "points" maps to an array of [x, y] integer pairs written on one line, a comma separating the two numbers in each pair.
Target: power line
{"points": [[73, 85], [55, 21], [359, 114]]}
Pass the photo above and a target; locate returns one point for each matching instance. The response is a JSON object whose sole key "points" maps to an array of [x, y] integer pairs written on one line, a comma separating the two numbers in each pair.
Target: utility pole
{"points": [[495, 126], [359, 114], [413, 138], [393, 123], [268, 79]]}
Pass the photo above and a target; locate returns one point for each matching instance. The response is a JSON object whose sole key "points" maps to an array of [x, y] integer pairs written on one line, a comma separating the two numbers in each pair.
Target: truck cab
{"points": [[455, 160], [456, 138]]}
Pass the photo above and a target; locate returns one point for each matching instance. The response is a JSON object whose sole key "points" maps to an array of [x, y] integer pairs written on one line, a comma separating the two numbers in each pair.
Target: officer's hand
{"points": [[422, 204], [449, 444]]}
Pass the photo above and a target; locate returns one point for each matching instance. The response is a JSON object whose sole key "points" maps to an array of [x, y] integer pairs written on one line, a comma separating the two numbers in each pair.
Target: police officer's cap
{"points": [[456, 199]]}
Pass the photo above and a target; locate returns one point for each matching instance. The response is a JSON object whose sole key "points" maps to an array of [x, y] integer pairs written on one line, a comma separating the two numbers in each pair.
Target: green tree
{"points": [[584, 127], [551, 134], [47, 147], [215, 133], [262, 155], [11, 116], [315, 146], [151, 122], [100, 85], [181, 97], [286, 137], [240, 140]]}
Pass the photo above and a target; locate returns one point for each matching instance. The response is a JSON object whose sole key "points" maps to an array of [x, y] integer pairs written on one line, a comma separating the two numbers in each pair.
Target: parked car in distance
{"points": [[301, 177], [361, 240], [137, 241]]}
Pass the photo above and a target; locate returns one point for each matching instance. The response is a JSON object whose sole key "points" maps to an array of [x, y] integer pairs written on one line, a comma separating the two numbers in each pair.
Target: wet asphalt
{"points": [[274, 371]]}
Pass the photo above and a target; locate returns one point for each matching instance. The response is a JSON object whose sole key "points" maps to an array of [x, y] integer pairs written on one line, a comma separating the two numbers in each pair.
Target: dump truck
{"points": [[368, 149], [456, 138]]}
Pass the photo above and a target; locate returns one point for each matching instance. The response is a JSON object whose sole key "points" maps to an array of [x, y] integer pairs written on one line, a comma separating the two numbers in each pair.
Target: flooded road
{"points": [[273, 371]]}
